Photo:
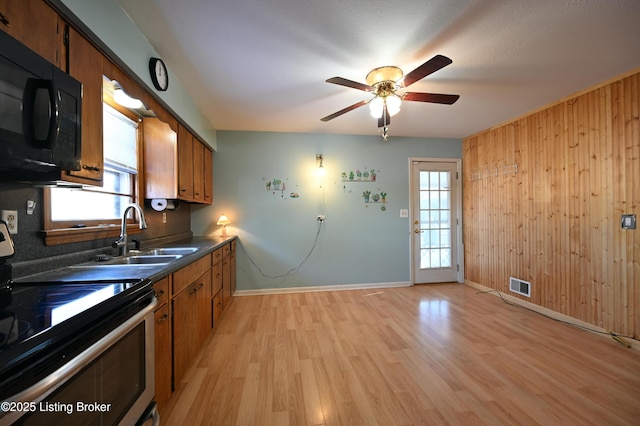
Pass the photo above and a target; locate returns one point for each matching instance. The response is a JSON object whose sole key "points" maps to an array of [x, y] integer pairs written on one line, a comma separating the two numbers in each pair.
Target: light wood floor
{"points": [[423, 355]]}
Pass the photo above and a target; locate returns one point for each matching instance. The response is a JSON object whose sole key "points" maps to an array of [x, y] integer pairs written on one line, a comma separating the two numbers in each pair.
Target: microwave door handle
{"points": [[40, 117]]}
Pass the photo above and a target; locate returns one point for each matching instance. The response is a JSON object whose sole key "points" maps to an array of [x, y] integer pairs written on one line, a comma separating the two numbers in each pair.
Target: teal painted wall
{"points": [[357, 244], [108, 20]]}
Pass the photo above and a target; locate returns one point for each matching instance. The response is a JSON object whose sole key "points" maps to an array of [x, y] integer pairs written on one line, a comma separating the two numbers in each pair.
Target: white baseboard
{"points": [[635, 344], [264, 291]]}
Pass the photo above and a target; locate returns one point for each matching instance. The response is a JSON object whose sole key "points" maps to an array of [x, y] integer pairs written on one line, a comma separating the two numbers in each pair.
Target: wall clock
{"points": [[159, 75]]}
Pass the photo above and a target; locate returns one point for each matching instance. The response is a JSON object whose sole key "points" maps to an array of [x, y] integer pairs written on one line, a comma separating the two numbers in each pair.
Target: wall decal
{"points": [[364, 175], [279, 187]]}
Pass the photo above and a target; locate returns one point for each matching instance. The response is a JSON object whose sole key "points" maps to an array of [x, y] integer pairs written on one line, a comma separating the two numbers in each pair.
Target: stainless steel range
{"points": [[75, 352]]}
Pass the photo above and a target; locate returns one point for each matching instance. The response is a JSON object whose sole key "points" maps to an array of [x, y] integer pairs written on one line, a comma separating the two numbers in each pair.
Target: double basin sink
{"points": [[157, 257]]}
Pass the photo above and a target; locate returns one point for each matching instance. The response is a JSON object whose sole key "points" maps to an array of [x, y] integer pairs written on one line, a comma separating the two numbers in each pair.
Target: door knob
{"points": [[417, 231]]}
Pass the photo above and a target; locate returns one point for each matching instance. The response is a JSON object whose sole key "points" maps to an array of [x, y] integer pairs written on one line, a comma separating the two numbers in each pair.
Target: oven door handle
{"points": [[43, 388]]}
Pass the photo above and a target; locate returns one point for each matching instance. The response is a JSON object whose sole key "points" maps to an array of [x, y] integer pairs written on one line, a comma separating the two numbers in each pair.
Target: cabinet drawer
{"points": [[226, 249], [161, 288], [190, 273], [217, 278], [217, 255], [217, 308]]}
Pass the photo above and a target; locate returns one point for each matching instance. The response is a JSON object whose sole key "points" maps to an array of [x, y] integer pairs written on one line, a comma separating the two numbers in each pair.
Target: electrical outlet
{"points": [[321, 218], [164, 217], [11, 217]]}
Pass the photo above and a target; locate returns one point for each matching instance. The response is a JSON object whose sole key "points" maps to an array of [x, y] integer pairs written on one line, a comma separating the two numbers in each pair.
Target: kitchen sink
{"points": [[171, 251], [145, 259], [137, 260]]}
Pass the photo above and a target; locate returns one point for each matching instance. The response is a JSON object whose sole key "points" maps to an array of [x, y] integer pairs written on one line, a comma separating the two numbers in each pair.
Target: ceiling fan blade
{"points": [[344, 111], [385, 119], [431, 66], [350, 83], [436, 98]]}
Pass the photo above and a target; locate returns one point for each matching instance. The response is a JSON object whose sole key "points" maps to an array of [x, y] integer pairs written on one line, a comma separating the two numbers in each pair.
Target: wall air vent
{"points": [[520, 286]]}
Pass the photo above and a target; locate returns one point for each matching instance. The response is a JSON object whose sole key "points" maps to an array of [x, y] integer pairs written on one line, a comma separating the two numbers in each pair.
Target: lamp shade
{"points": [[223, 220], [393, 104], [376, 106]]}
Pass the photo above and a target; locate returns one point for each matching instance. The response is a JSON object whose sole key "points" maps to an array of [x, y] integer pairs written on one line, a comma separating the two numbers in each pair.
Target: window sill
{"points": [[54, 237]]}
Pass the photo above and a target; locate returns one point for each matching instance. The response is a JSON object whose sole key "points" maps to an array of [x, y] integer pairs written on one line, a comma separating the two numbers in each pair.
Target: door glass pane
{"points": [[435, 224]]}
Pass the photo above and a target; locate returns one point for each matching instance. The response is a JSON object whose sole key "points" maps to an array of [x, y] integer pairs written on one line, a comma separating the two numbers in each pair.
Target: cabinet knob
{"points": [[163, 318]]}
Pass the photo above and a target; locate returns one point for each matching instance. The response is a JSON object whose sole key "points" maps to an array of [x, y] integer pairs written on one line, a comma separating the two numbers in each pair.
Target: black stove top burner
{"points": [[39, 318], [35, 308]]}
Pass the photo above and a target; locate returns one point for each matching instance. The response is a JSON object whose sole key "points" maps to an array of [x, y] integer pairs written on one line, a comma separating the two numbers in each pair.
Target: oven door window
{"points": [[101, 393]]}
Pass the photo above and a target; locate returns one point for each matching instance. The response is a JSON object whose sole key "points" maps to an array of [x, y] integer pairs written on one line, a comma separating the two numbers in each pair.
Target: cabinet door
{"points": [[163, 355], [226, 281], [198, 170], [160, 159], [204, 308], [208, 176], [35, 25], [85, 65], [232, 267], [185, 331], [217, 308], [185, 164]]}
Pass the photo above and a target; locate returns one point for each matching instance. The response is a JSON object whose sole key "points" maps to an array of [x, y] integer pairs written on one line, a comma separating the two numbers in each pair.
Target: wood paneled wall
{"points": [[556, 221]]}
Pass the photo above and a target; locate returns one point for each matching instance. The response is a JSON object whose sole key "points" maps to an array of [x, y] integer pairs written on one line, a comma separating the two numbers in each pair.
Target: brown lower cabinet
{"points": [[163, 368], [190, 305], [191, 302]]}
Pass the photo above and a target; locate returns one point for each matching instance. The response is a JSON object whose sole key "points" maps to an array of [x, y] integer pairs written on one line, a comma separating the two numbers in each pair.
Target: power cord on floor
{"points": [[290, 271], [620, 338]]}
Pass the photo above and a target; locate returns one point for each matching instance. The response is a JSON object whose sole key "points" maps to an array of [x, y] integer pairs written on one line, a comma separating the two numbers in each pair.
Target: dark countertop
{"points": [[97, 271]]}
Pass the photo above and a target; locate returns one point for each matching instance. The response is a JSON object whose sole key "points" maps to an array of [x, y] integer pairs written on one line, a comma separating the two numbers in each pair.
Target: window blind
{"points": [[120, 136]]}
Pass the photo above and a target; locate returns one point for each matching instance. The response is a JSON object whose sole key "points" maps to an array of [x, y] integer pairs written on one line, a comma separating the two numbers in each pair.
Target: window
{"points": [[91, 208]]}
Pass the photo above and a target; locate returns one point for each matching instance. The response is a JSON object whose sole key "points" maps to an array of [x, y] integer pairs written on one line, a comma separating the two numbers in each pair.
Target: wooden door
{"points": [[205, 316], [163, 355], [35, 25], [208, 176], [226, 281], [198, 170], [185, 164], [185, 321], [85, 65], [160, 159]]}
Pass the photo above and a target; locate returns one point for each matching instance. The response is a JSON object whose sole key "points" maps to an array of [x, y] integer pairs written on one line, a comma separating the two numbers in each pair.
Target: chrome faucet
{"points": [[122, 242]]}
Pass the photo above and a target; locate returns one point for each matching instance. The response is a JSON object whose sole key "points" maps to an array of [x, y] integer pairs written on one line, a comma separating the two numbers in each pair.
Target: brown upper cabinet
{"points": [[36, 25], [176, 168], [195, 168], [85, 65], [160, 159]]}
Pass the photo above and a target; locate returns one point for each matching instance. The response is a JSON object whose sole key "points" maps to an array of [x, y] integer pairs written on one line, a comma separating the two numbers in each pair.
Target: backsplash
{"points": [[32, 255]]}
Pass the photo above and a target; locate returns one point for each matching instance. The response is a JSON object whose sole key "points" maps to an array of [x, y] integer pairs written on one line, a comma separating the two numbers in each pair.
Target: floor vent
{"points": [[520, 286]]}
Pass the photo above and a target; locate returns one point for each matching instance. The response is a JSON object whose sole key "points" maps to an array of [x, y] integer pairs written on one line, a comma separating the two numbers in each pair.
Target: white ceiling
{"points": [[261, 65]]}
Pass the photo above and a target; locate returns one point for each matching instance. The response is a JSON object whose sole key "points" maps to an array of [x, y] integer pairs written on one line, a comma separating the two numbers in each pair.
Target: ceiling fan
{"points": [[384, 83]]}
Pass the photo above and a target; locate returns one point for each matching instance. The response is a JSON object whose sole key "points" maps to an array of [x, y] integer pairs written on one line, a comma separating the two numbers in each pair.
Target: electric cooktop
{"points": [[39, 318]]}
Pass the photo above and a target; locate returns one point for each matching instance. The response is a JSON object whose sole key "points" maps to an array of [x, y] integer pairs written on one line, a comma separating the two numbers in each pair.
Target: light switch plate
{"points": [[404, 213], [628, 221]]}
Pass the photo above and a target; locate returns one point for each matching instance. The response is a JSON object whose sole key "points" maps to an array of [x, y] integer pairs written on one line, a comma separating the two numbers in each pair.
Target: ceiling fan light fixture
{"points": [[376, 107], [393, 104], [386, 73]]}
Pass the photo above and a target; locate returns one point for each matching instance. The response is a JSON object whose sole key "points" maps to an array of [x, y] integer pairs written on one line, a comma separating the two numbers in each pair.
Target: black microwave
{"points": [[40, 113]]}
